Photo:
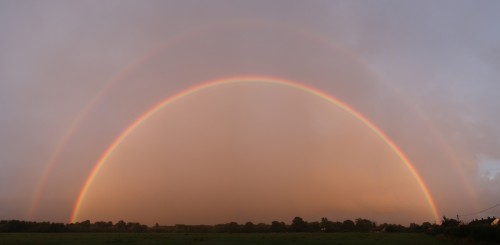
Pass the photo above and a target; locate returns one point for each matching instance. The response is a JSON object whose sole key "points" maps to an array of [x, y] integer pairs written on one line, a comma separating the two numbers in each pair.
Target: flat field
{"points": [[210, 238]]}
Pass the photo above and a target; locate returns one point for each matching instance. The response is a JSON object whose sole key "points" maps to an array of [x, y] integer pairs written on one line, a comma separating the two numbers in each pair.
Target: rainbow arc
{"points": [[251, 79]]}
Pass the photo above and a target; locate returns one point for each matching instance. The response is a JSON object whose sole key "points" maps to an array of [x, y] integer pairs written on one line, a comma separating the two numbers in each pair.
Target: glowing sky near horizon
{"points": [[427, 73]]}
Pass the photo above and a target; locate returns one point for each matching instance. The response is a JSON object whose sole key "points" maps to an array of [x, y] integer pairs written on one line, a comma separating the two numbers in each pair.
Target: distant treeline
{"points": [[480, 230], [297, 225]]}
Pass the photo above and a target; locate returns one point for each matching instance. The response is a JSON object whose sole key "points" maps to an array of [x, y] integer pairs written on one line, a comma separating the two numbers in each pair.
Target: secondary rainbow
{"points": [[251, 79]]}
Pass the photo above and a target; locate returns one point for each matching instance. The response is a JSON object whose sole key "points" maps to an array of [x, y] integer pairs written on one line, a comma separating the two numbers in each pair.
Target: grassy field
{"points": [[175, 238]]}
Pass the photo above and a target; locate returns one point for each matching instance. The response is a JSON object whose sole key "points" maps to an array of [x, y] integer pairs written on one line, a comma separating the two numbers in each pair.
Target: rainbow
{"points": [[249, 79], [75, 125]]}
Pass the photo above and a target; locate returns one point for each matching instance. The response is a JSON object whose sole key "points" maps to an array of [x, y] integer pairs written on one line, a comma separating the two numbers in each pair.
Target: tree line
{"points": [[477, 230], [297, 225]]}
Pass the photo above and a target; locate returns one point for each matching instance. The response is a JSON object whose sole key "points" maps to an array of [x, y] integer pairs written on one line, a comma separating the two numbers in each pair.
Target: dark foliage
{"points": [[364, 225], [348, 225], [27, 226], [479, 230]]}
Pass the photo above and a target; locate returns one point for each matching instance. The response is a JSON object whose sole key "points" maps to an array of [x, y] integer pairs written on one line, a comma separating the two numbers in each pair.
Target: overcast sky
{"points": [[75, 74]]}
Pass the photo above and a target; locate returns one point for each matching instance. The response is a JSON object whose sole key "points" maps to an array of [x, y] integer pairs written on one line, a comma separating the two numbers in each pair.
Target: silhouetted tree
{"points": [[249, 227], [57, 227], [261, 227], [136, 227], [364, 225], [121, 226], [313, 226], [298, 225], [426, 226], [348, 225], [393, 228], [326, 225], [414, 228], [449, 222], [232, 227], [277, 226]]}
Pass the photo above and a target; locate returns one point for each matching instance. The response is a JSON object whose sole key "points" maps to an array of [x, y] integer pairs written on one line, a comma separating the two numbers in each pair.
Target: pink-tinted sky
{"points": [[75, 74]]}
